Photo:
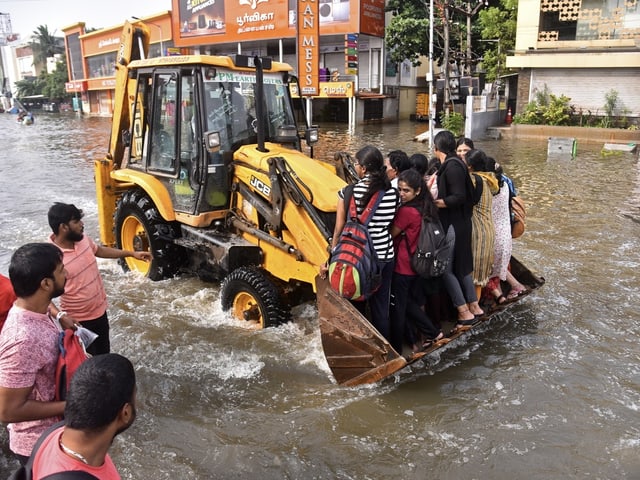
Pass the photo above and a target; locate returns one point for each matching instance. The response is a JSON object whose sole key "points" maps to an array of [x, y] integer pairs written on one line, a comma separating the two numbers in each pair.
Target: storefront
{"points": [[348, 58]]}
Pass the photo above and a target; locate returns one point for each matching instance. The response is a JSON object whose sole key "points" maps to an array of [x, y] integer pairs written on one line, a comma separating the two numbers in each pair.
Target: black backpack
{"points": [[25, 472], [434, 250]]}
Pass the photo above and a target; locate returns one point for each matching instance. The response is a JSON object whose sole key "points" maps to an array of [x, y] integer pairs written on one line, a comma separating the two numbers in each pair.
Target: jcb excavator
{"points": [[205, 171]]}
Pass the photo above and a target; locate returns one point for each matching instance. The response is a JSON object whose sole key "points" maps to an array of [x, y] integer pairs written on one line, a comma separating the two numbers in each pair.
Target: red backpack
{"points": [[72, 354], [354, 272]]}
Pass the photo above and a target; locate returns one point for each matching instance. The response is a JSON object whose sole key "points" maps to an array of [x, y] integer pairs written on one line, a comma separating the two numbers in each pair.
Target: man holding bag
{"points": [[28, 347]]}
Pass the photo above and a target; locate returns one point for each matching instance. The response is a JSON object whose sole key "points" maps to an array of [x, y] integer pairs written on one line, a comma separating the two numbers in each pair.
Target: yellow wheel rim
{"points": [[133, 237], [245, 307]]}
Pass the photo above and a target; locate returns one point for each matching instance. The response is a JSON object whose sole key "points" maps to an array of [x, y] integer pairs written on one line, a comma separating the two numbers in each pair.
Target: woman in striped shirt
{"points": [[370, 168]]}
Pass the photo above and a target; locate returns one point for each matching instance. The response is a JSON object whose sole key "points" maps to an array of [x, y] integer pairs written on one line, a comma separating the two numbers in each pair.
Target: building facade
{"points": [[584, 49], [351, 59]]}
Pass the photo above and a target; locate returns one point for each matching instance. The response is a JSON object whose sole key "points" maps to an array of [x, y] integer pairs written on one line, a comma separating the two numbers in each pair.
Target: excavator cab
{"points": [[190, 121], [169, 140]]}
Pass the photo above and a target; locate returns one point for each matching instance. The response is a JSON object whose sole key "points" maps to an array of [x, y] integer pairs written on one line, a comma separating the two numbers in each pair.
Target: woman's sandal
{"points": [[516, 292], [459, 329], [435, 342], [500, 299]]}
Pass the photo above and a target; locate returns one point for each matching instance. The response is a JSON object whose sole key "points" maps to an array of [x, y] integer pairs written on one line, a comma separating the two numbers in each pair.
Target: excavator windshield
{"points": [[230, 103]]}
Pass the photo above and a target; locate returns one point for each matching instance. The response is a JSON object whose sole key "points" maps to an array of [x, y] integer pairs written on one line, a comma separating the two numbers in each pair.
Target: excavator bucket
{"points": [[356, 352]]}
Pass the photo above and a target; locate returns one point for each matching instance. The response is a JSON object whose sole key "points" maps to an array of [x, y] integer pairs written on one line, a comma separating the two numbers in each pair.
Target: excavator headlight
{"points": [[212, 141], [311, 135]]}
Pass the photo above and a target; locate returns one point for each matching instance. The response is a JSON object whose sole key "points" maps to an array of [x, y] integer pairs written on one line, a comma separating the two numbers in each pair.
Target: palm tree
{"points": [[44, 45]]}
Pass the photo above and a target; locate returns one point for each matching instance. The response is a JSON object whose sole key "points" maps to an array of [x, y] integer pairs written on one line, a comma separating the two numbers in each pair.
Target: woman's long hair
{"points": [[477, 160], [371, 158], [496, 168], [465, 141], [445, 142], [423, 201]]}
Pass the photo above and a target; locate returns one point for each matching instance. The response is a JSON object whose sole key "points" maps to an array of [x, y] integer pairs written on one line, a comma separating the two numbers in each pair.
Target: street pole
{"points": [[432, 103]]}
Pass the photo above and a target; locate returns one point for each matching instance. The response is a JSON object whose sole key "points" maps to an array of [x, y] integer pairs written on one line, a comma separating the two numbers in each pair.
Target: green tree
{"points": [[54, 83], [497, 23], [28, 87], [51, 85], [407, 33], [44, 45]]}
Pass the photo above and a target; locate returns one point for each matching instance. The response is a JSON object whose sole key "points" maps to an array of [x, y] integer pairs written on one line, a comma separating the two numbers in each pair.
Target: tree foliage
{"points": [[407, 33], [498, 23], [44, 45], [28, 87], [54, 83], [51, 85]]}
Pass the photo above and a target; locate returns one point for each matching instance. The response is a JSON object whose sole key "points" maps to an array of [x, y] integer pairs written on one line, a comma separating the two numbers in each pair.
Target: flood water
{"points": [[550, 389]]}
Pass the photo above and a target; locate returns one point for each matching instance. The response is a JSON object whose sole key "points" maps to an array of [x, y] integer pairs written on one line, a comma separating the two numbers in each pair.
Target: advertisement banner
{"points": [[351, 54], [201, 22], [213, 21]]}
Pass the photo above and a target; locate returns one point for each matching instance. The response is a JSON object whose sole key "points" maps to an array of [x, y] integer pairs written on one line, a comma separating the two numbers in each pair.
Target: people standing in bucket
{"points": [[29, 347], [483, 231], [85, 299], [373, 178], [408, 320], [455, 203]]}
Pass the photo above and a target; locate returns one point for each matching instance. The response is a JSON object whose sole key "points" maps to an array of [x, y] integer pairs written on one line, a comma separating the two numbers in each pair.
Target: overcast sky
{"points": [[27, 15]]}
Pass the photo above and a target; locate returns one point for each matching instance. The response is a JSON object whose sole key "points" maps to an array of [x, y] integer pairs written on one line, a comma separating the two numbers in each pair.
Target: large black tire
{"points": [[138, 226], [252, 296]]}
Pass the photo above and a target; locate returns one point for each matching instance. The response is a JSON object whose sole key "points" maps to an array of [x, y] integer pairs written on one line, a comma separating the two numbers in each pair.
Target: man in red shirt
{"points": [[7, 297], [84, 299], [100, 405], [29, 347]]}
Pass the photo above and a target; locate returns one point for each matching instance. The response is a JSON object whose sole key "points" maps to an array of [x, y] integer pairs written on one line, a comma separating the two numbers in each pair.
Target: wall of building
{"points": [[587, 87]]}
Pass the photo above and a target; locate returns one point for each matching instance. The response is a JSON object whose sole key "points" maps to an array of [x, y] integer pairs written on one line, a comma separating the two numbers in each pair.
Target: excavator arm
{"points": [[134, 45]]}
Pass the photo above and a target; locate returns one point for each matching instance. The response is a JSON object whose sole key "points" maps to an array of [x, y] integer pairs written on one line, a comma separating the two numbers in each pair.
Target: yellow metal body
{"points": [[301, 233], [309, 247]]}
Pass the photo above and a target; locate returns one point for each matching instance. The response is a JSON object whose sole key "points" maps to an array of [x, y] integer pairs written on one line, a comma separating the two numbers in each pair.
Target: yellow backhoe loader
{"points": [[205, 170]]}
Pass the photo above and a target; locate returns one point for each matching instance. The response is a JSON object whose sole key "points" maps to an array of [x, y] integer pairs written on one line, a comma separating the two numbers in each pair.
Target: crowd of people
{"points": [[460, 187], [55, 285]]}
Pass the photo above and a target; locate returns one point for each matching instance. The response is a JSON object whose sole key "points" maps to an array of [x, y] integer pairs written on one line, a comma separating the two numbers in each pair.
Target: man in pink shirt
{"points": [[29, 347], [100, 405], [84, 299]]}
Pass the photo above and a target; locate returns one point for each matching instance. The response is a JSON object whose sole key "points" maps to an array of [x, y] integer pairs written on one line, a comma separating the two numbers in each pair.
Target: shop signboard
{"points": [[308, 47]]}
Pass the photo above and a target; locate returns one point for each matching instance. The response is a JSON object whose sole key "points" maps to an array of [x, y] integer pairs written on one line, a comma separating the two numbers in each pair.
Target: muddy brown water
{"points": [[550, 389]]}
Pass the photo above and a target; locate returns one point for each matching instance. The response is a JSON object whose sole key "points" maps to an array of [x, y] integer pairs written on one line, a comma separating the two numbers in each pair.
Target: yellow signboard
{"points": [[328, 90]]}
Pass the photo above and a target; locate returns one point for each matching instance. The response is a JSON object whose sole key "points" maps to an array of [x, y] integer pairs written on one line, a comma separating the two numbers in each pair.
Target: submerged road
{"points": [[550, 389]]}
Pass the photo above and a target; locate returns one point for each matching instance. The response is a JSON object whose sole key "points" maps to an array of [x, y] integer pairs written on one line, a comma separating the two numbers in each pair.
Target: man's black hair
{"points": [[60, 213], [32, 263], [399, 160], [100, 387]]}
